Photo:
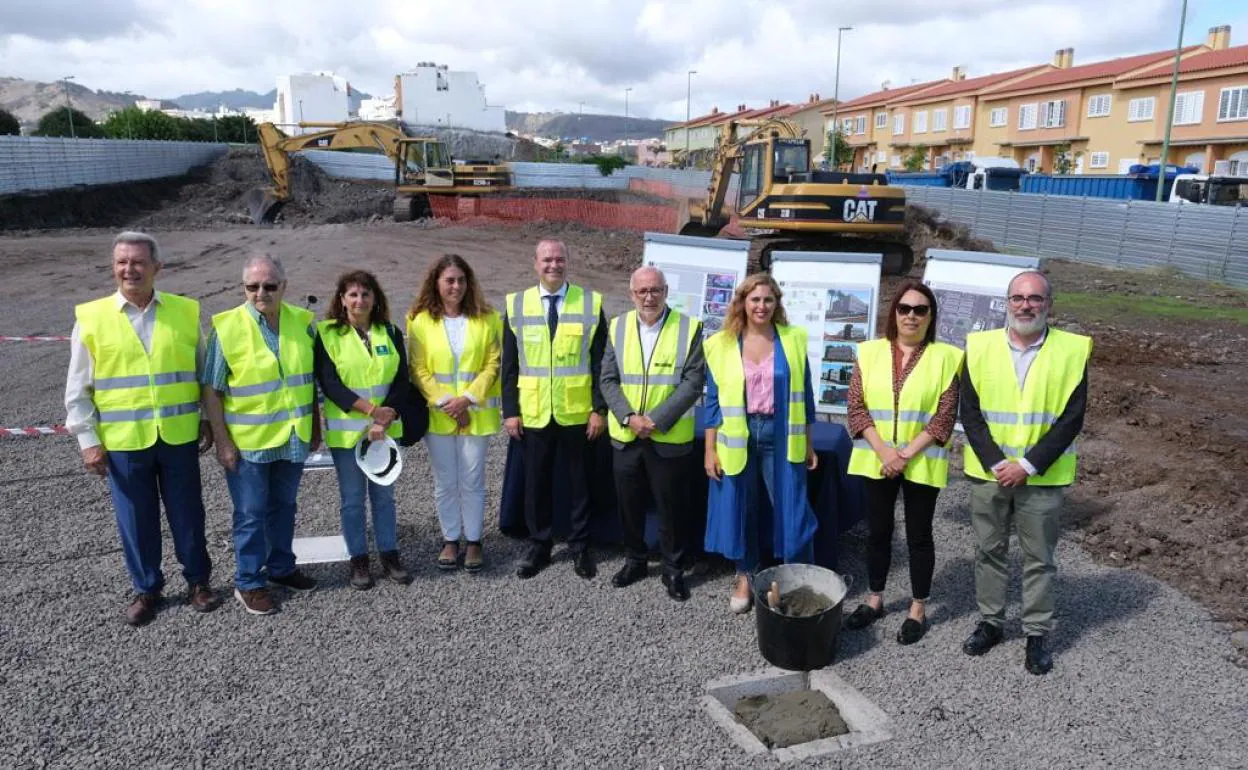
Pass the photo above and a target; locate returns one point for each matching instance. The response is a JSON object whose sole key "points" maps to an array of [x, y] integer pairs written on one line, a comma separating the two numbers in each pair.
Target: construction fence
{"points": [[37, 163], [1207, 242]]}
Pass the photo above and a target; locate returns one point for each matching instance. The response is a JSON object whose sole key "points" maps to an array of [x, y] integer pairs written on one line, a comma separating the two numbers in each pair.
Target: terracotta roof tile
{"points": [[1094, 71], [970, 85], [887, 95], [1236, 56]]}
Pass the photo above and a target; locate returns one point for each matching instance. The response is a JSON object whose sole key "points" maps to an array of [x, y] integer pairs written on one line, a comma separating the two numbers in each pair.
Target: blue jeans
{"points": [[264, 520], [139, 480], [353, 485], [760, 460]]}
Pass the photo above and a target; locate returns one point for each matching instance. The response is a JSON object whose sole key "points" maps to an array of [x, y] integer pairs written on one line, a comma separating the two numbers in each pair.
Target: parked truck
{"points": [[1210, 189], [987, 173]]}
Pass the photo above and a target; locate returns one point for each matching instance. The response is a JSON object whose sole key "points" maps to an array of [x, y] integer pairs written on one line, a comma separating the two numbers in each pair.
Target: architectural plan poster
{"points": [[701, 273], [970, 290], [834, 295]]}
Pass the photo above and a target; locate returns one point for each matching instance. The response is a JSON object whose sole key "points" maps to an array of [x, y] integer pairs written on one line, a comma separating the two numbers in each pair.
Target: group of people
{"points": [[556, 375]]}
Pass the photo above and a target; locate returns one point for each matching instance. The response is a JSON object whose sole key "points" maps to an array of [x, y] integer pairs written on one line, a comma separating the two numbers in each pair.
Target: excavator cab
{"points": [[426, 162]]}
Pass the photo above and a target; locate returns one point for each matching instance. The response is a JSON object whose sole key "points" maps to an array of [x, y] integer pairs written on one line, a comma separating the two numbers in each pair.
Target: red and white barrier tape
{"points": [[42, 430], [34, 339]]}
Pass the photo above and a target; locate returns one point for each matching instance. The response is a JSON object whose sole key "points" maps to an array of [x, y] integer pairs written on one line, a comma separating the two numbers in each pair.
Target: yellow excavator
{"points": [[422, 166], [786, 205]]}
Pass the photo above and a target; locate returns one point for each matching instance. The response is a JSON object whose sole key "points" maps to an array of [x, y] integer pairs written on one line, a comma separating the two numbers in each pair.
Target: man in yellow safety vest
{"points": [[1023, 397], [260, 396], [553, 339], [653, 371], [132, 400]]}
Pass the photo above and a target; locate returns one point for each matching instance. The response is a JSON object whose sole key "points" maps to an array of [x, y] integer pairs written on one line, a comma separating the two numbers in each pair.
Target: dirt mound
{"points": [[926, 230], [97, 206]]}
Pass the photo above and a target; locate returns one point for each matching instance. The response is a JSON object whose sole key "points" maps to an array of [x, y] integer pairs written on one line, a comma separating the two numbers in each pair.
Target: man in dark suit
{"points": [[553, 338], [653, 371]]}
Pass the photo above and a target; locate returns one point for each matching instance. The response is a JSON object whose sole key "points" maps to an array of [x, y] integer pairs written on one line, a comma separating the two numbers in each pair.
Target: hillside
{"points": [[239, 98], [597, 128], [29, 100]]}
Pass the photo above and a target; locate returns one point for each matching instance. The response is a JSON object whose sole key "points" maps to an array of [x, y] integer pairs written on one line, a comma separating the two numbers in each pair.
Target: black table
{"points": [[838, 499]]}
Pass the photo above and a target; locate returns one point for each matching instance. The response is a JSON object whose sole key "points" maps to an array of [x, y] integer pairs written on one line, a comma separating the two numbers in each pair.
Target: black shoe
{"points": [[863, 616], [630, 573], [537, 559], [295, 581], [392, 567], [361, 575], [676, 586], [1039, 661], [584, 565], [985, 637], [911, 631]]}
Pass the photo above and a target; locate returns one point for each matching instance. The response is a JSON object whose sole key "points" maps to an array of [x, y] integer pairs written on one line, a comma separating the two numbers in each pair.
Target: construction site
{"points": [[1152, 637]]}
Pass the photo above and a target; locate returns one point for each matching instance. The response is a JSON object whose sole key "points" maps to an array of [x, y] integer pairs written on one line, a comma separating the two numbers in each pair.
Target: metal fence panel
{"points": [[37, 163]]}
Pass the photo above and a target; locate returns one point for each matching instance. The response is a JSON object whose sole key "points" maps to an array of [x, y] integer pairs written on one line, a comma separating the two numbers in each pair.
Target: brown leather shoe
{"points": [[257, 601], [202, 598], [143, 609], [394, 568]]}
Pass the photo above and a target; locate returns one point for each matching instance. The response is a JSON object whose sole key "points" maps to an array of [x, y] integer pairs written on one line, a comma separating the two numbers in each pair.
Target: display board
{"points": [[701, 273], [834, 295], [970, 290]]}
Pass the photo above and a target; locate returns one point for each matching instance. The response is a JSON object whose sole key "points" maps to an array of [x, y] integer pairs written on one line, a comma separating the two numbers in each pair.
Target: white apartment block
{"points": [[432, 95], [312, 98]]}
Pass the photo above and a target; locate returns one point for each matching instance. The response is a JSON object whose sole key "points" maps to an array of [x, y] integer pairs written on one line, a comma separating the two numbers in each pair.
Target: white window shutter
{"points": [[1061, 113]]}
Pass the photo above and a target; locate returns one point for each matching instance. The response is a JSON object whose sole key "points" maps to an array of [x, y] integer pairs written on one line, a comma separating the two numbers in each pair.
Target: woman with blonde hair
{"points": [[455, 347], [759, 410]]}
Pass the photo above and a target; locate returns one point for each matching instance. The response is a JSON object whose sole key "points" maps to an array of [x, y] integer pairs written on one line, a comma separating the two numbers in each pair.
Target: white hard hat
{"points": [[381, 461]]}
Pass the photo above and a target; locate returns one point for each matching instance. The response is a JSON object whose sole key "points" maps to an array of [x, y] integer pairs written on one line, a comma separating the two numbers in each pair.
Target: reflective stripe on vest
{"points": [[143, 396], [918, 401], [1018, 419], [367, 371], [723, 358], [267, 396], [554, 374], [647, 385], [482, 337]]}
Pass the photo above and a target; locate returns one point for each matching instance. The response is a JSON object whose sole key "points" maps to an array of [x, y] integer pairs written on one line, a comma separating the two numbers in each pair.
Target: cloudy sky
{"points": [[555, 54]]}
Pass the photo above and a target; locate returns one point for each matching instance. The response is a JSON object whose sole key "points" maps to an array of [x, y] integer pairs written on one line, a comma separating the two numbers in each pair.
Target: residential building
{"points": [[809, 116], [867, 123], [379, 108], [432, 95], [320, 97]]}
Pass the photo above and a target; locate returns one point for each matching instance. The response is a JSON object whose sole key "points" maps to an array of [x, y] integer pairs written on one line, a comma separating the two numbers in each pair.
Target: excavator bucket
{"points": [[263, 205], [690, 223]]}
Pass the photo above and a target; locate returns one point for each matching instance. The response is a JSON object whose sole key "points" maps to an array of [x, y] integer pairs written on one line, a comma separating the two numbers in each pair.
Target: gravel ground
{"points": [[490, 671]]}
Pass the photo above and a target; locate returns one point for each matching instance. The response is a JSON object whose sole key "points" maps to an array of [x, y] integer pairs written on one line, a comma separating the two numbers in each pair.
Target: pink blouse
{"points": [[760, 384]]}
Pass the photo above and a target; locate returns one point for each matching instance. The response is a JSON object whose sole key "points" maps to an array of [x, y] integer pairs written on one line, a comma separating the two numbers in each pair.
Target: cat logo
{"points": [[859, 210]]}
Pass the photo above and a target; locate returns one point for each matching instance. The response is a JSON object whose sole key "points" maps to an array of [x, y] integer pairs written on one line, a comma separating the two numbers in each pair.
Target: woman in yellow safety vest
{"points": [[456, 347], [902, 404], [759, 408], [361, 367]]}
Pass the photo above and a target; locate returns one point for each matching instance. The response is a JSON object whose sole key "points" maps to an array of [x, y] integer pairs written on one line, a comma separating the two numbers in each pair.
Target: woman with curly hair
{"points": [[455, 340], [759, 409]]}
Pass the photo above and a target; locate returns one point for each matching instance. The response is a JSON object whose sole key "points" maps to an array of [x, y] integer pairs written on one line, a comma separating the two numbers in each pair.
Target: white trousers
{"points": [[459, 483]]}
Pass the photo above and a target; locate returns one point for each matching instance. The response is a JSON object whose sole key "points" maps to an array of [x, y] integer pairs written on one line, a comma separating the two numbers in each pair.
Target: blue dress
{"points": [[736, 532]]}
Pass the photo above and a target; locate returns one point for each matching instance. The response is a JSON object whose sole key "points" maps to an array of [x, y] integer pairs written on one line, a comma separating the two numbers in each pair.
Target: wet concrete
{"points": [[791, 718]]}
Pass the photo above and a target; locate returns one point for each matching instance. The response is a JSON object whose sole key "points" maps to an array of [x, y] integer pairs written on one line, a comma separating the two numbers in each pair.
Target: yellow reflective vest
{"points": [[143, 396], [646, 386], [916, 406], [723, 358], [1018, 419], [266, 398], [367, 372], [555, 377], [483, 338]]}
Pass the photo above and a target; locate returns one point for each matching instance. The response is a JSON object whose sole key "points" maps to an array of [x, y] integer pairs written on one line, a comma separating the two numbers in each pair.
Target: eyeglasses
{"points": [[918, 310], [1030, 299], [649, 292], [252, 288]]}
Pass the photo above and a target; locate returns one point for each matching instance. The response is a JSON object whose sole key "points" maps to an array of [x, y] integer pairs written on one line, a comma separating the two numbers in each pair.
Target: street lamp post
{"points": [[688, 94], [1174, 85], [836, 94], [626, 90], [69, 110]]}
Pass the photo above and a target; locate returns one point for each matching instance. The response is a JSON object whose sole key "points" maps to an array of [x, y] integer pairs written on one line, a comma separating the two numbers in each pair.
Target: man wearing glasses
{"points": [[261, 402], [652, 373], [1023, 399]]}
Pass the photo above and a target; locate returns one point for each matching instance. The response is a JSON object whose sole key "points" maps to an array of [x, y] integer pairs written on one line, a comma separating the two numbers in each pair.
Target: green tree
{"points": [[836, 151], [1063, 159], [916, 159], [56, 123], [9, 126], [606, 163], [133, 123], [238, 129]]}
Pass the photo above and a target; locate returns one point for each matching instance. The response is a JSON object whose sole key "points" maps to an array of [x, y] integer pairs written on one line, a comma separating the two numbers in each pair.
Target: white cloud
{"points": [[555, 54]]}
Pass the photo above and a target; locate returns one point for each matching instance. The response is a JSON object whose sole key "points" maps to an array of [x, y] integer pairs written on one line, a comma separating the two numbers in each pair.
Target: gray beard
{"points": [[1033, 326]]}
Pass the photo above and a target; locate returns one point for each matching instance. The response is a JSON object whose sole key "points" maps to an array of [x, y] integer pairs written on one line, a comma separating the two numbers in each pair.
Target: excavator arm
{"points": [[264, 203], [708, 218]]}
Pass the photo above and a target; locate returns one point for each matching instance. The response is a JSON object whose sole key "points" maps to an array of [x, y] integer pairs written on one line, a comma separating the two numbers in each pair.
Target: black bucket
{"points": [[799, 643]]}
